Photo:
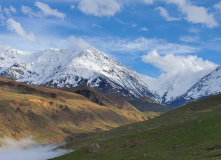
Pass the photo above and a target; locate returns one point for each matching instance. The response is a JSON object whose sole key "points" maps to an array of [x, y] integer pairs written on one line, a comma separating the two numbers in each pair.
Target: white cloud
{"points": [[165, 14], [48, 11], [12, 25], [9, 10], [12, 9], [144, 29], [189, 38], [218, 6], [195, 14], [147, 1], [100, 7], [27, 10], [174, 64]]}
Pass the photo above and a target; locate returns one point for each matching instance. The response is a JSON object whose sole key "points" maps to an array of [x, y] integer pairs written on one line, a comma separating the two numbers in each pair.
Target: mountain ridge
{"points": [[69, 68]]}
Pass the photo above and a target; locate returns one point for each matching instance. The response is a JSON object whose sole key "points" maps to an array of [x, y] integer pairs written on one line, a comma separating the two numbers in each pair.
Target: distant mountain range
{"points": [[69, 68]]}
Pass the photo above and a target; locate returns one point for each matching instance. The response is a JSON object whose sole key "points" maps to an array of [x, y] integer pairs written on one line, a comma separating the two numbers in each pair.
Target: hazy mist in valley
{"points": [[25, 149]]}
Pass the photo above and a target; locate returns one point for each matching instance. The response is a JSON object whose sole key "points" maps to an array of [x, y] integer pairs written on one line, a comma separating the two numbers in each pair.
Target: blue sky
{"points": [[150, 36]]}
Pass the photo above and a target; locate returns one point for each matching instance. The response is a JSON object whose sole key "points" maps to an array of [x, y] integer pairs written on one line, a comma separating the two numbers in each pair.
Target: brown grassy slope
{"points": [[52, 115]]}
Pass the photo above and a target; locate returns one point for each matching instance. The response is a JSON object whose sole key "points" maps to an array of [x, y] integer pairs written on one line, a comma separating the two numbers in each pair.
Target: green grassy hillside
{"points": [[51, 115], [191, 132]]}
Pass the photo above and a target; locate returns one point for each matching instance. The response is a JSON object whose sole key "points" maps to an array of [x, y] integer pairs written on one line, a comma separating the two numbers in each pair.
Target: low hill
{"points": [[52, 115], [190, 132], [148, 105]]}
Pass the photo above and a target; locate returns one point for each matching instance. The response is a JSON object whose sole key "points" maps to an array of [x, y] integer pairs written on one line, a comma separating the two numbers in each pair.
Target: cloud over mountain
{"points": [[176, 63]]}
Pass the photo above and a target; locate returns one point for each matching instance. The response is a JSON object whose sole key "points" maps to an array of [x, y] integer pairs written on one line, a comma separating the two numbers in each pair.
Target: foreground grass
{"points": [[190, 132]]}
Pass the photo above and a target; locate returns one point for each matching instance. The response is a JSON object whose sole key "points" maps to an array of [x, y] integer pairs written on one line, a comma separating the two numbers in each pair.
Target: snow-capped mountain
{"points": [[175, 86], [208, 85], [69, 68]]}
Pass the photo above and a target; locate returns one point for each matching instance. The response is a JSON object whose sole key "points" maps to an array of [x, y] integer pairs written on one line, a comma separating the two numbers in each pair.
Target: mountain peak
{"points": [[92, 51]]}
